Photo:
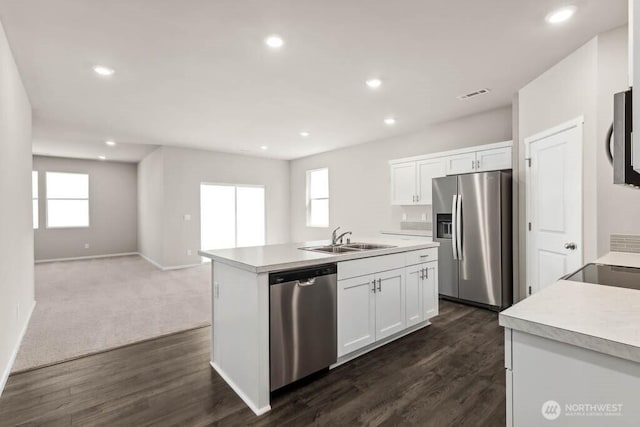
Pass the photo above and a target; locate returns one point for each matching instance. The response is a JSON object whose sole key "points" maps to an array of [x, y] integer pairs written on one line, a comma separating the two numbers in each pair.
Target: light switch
{"points": [[187, 217], [424, 216], [404, 216]]}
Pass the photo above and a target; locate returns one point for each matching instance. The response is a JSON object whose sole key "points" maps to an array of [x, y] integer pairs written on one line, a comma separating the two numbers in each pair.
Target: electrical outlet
{"points": [[86, 246], [404, 216], [187, 217], [424, 216], [189, 252]]}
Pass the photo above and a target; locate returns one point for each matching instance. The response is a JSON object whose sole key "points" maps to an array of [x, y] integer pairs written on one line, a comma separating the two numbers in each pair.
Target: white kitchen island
{"points": [[366, 319], [572, 354]]}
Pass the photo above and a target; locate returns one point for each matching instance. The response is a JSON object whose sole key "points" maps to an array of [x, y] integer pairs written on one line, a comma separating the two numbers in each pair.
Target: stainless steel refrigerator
{"points": [[472, 218]]}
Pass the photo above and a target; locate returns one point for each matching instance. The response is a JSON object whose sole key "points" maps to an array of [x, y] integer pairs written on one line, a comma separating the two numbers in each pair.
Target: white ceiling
{"points": [[196, 72]]}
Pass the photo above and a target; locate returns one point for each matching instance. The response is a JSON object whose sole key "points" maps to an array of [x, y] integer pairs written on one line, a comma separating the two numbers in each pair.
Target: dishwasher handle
{"points": [[309, 282]]}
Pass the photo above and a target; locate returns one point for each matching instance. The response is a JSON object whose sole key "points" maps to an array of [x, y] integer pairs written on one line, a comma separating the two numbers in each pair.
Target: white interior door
{"points": [[554, 204]]}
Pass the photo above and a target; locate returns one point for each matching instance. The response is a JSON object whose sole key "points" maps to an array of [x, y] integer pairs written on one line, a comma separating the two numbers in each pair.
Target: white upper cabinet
{"points": [[411, 178], [403, 183], [461, 163], [411, 181], [496, 159], [427, 170]]}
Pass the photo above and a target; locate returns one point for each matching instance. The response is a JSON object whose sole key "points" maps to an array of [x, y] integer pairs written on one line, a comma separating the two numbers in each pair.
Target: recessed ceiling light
{"points": [[374, 83], [304, 134], [561, 15], [263, 147], [103, 71], [389, 121], [274, 42], [102, 157], [110, 143]]}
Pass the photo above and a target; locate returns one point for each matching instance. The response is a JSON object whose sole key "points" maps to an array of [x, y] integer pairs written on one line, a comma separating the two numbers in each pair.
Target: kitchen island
{"points": [[382, 294], [572, 351]]}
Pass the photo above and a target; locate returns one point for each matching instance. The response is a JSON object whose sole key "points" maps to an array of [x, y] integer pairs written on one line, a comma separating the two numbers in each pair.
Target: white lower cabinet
{"points": [[421, 295], [390, 303], [370, 308], [375, 306], [356, 313]]}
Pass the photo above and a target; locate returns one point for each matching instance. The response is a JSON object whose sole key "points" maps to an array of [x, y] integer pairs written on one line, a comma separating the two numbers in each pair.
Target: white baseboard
{"points": [[240, 393], [163, 268], [39, 261], [7, 369], [354, 355]]}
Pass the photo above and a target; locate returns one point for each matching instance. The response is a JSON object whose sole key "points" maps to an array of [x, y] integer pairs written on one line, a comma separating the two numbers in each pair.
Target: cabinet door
{"points": [[427, 170], [390, 303], [403, 183], [461, 163], [496, 159], [356, 313], [430, 290], [413, 295]]}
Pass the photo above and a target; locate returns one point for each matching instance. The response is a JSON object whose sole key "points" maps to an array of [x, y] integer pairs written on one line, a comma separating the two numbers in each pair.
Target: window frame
{"points": [[235, 205], [47, 198], [309, 198], [35, 178]]}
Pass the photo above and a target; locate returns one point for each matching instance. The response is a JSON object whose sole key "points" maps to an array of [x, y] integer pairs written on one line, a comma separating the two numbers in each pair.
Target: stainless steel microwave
{"points": [[621, 156]]}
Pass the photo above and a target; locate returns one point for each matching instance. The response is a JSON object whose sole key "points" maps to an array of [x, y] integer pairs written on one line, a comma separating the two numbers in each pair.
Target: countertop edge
{"points": [[567, 336], [318, 261]]}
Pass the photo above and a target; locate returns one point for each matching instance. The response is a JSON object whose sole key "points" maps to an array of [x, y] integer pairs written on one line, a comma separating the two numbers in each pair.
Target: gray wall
{"points": [[359, 176], [16, 232], [618, 206], [151, 206], [181, 171], [112, 210]]}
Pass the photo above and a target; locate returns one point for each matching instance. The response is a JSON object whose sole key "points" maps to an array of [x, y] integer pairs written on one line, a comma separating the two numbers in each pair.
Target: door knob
{"points": [[571, 246]]}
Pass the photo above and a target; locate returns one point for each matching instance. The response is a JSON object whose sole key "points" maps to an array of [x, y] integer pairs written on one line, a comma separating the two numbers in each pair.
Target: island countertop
{"points": [[597, 317], [264, 259]]}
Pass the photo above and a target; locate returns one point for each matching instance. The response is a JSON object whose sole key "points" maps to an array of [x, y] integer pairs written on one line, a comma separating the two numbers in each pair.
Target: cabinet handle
{"points": [[473, 164], [417, 198], [421, 273], [374, 286], [426, 273], [379, 285], [478, 164]]}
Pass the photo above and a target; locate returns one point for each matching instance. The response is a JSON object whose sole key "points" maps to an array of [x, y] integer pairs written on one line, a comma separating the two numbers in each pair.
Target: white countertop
{"points": [[261, 259], [605, 319]]}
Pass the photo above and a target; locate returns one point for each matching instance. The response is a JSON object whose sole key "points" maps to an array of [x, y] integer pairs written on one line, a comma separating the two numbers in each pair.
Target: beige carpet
{"points": [[93, 305]]}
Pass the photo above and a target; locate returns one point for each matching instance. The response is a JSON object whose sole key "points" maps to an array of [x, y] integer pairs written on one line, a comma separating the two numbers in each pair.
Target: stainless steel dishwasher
{"points": [[302, 322]]}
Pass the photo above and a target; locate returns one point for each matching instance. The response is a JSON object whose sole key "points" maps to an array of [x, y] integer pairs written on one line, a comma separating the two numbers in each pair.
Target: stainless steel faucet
{"points": [[335, 238]]}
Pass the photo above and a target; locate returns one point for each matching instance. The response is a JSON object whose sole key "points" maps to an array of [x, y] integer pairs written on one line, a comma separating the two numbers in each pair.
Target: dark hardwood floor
{"points": [[450, 373]]}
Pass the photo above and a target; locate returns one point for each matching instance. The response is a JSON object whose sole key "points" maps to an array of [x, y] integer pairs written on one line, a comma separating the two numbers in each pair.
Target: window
{"points": [[67, 200], [231, 216], [34, 198], [318, 198]]}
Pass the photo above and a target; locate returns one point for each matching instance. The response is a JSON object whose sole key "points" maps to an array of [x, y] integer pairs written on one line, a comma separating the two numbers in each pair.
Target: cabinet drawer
{"points": [[360, 267], [423, 255]]}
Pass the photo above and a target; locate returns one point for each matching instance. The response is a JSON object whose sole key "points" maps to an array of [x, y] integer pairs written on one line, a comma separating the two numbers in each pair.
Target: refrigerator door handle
{"points": [[454, 237], [459, 226]]}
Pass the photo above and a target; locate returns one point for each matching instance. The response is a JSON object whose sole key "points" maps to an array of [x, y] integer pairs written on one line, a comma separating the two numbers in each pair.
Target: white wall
{"points": [[618, 206], [113, 203], [359, 175], [583, 84], [16, 232], [181, 172], [151, 206]]}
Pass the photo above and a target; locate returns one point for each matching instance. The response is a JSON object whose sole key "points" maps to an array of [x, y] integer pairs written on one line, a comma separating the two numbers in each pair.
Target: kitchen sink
{"points": [[367, 246], [349, 247], [331, 249]]}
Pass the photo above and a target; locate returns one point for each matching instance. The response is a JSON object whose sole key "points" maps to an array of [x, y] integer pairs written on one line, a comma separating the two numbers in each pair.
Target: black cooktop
{"points": [[608, 275]]}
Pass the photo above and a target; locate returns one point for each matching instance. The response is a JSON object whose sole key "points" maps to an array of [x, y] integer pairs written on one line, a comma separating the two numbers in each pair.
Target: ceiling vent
{"points": [[474, 94]]}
